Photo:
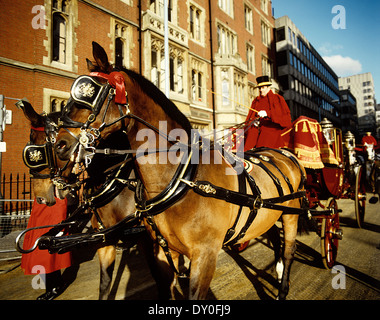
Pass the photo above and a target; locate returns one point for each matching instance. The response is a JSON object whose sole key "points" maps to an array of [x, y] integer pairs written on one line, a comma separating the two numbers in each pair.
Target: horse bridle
{"points": [[92, 95], [40, 157]]}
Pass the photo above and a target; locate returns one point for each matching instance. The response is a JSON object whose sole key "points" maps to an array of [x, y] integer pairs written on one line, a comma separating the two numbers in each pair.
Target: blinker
{"points": [[36, 157], [89, 92]]}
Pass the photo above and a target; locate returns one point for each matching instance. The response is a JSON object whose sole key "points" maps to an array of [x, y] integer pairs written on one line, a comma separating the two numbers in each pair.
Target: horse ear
{"points": [[101, 57], [90, 66], [35, 119]]}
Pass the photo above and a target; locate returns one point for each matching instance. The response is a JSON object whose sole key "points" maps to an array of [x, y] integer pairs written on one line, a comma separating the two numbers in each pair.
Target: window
{"points": [[264, 6], [59, 30], [195, 23], [227, 6], [265, 34], [180, 76], [172, 74], [162, 71], [239, 88], [62, 20], [176, 71], [59, 38], [176, 67], [196, 86], [119, 53], [200, 95], [248, 17], [226, 40], [154, 74], [121, 34], [280, 34], [57, 104], [266, 66], [225, 92], [250, 58], [54, 100], [157, 6]]}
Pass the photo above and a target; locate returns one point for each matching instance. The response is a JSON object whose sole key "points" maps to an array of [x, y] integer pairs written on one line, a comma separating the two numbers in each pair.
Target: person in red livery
{"points": [[41, 261], [369, 139], [274, 116]]}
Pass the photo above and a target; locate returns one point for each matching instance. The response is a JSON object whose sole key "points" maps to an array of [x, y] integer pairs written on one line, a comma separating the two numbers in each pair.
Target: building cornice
{"points": [[36, 68]]}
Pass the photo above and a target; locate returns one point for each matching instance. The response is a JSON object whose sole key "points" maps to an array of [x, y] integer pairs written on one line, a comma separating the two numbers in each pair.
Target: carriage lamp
{"points": [[349, 141], [328, 130]]}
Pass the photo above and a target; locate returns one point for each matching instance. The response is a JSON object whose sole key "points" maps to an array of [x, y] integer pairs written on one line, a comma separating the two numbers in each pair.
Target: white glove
{"points": [[262, 114]]}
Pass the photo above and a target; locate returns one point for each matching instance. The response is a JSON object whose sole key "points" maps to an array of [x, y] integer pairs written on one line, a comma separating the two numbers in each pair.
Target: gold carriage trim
{"points": [[306, 140]]}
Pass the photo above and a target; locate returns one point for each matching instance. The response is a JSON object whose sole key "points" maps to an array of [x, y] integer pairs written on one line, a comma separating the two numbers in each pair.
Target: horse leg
{"points": [[161, 271], [273, 235], [203, 265], [107, 264], [290, 232], [274, 238]]}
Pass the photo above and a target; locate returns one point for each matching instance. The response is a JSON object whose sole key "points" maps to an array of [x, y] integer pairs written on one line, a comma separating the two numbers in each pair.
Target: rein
{"points": [[93, 95]]}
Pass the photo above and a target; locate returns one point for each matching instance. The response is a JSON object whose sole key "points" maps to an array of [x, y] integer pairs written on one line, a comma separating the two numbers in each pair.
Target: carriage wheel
{"points": [[330, 236], [360, 196]]}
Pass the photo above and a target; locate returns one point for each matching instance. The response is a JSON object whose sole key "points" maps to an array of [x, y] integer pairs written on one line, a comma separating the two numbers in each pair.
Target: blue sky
{"points": [[349, 51]]}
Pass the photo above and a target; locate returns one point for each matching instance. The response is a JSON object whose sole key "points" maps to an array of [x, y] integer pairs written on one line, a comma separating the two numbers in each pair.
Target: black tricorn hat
{"points": [[263, 81]]}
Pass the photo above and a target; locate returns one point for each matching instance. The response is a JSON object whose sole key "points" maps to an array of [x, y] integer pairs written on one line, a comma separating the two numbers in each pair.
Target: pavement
{"points": [[249, 275]]}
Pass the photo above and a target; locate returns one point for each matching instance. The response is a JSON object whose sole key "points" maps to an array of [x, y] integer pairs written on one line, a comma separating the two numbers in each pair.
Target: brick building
{"points": [[217, 49]]}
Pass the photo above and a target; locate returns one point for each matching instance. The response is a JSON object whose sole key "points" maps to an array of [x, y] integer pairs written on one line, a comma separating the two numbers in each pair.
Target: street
{"points": [[249, 275]]}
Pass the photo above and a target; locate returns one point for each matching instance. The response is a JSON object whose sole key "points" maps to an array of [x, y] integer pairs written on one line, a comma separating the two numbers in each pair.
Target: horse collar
{"points": [[176, 188]]}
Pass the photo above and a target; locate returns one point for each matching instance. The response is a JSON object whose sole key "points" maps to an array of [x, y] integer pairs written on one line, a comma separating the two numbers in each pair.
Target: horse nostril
{"points": [[60, 146], [41, 200]]}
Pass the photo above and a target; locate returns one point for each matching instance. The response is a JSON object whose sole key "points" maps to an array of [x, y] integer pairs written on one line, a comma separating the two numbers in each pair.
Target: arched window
{"points": [[59, 38], [119, 54], [54, 105]]}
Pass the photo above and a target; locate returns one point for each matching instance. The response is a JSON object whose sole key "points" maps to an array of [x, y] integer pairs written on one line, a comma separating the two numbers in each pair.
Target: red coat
{"points": [[269, 132], [43, 215], [369, 140]]}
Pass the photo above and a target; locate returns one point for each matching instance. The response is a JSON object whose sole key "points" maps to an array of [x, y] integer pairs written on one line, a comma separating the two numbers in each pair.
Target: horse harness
{"points": [[93, 95]]}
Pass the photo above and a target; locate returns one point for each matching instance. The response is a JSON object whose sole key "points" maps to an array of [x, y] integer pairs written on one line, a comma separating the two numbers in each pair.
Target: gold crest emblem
{"points": [[35, 156], [86, 89]]}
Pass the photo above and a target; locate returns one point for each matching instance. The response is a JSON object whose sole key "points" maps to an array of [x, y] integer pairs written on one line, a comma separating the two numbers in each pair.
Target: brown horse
{"points": [[109, 214], [192, 225]]}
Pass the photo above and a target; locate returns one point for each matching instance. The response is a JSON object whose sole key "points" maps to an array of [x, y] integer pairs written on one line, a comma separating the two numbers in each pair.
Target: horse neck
{"points": [[158, 168]]}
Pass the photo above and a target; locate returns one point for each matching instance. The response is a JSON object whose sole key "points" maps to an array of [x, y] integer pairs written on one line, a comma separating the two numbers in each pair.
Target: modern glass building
{"points": [[309, 85]]}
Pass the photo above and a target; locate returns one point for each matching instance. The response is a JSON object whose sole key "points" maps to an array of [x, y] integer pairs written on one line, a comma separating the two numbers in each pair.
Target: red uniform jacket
{"points": [[269, 132], [43, 215], [369, 140]]}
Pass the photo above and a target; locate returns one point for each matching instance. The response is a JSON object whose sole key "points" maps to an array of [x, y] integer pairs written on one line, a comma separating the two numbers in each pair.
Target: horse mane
{"points": [[160, 98]]}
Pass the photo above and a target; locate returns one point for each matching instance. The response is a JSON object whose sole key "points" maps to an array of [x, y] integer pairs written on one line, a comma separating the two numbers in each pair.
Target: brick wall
{"points": [[23, 52]]}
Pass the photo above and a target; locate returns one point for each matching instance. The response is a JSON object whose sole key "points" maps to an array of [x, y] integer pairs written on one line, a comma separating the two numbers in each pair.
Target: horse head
{"points": [[38, 155], [95, 100], [107, 101]]}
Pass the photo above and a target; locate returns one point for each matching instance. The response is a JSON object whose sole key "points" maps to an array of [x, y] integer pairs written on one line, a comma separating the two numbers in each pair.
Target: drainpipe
{"points": [[212, 67], [166, 48], [140, 37]]}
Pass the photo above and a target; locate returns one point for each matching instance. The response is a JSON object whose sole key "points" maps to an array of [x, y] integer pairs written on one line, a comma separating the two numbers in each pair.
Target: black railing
{"points": [[15, 202]]}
